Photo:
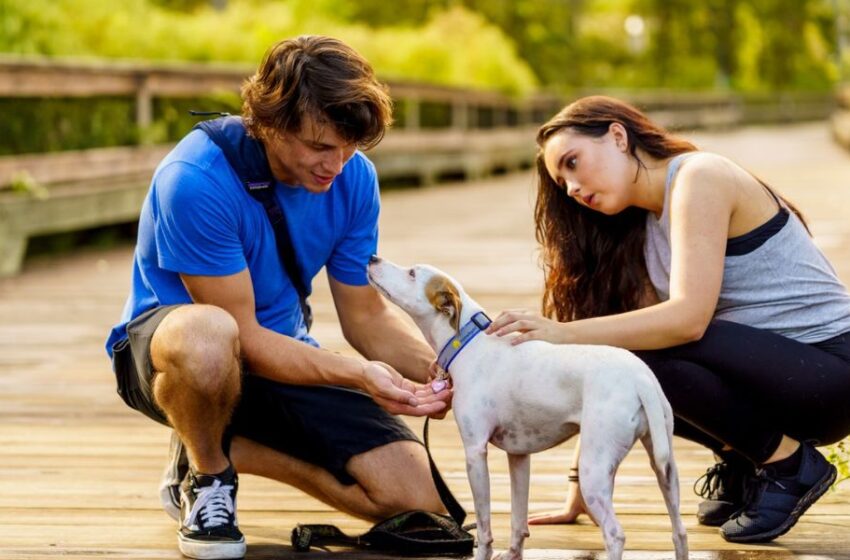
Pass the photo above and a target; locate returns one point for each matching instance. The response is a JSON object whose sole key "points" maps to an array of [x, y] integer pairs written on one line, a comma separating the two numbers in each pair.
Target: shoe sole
{"points": [[806, 501], [216, 550], [169, 500], [717, 521]]}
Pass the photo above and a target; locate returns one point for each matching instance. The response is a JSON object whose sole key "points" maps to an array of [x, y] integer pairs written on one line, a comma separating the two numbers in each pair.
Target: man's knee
{"points": [[397, 478], [198, 344]]}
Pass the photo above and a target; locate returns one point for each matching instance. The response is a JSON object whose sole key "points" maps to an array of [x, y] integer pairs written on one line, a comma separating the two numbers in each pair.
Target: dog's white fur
{"points": [[533, 396]]}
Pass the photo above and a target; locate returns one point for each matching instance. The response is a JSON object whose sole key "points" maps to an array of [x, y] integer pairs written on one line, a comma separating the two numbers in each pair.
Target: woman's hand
{"points": [[530, 326], [574, 507]]}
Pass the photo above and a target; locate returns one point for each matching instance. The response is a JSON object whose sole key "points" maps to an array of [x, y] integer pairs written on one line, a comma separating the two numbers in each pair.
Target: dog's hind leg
{"points": [[519, 466], [601, 455], [668, 482]]}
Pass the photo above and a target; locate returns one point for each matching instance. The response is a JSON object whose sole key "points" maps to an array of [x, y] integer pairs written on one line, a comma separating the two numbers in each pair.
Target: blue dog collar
{"points": [[477, 323]]}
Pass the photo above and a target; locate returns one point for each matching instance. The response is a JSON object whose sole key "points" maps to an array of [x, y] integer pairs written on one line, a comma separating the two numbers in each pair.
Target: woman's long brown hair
{"points": [[594, 263]]}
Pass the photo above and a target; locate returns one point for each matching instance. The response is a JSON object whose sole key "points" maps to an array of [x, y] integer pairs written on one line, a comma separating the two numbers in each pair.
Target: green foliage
{"points": [[510, 45], [745, 45], [439, 51], [44, 124], [172, 119], [24, 183], [38, 125]]}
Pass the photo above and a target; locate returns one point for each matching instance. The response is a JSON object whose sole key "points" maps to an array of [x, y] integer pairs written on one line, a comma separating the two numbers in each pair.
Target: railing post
{"points": [[411, 114], [13, 247], [525, 115], [460, 115], [144, 104], [500, 115]]}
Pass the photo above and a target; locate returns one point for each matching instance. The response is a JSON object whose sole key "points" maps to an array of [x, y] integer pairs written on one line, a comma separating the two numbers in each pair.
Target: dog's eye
{"points": [[412, 273]]}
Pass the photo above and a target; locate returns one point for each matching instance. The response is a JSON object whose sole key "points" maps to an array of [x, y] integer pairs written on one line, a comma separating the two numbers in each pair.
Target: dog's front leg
{"points": [[479, 481], [519, 466]]}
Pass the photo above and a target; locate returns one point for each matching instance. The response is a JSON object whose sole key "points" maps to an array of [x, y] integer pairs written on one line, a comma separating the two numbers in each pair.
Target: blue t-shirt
{"points": [[198, 219]]}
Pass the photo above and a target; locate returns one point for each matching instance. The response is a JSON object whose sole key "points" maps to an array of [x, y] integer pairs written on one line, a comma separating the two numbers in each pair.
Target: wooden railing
{"points": [[840, 120], [483, 132], [64, 191], [37, 77]]}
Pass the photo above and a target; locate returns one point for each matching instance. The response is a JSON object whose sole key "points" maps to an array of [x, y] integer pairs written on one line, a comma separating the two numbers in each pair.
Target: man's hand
{"points": [[438, 385], [398, 395]]}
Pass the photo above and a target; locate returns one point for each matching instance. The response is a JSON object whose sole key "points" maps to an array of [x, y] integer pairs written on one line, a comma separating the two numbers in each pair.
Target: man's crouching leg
{"points": [[195, 354], [390, 479], [396, 478]]}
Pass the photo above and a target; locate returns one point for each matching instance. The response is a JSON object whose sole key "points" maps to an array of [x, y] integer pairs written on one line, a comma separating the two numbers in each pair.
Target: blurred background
{"points": [[515, 46], [94, 93]]}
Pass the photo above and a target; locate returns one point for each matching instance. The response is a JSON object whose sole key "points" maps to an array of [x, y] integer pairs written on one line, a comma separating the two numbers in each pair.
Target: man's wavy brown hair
{"points": [[321, 77], [594, 263]]}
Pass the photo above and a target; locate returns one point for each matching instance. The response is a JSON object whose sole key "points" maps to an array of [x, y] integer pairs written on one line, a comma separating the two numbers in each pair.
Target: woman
{"points": [[713, 280]]}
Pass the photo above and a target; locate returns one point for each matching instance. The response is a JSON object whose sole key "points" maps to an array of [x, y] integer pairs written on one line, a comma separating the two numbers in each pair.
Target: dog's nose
{"points": [[374, 259]]}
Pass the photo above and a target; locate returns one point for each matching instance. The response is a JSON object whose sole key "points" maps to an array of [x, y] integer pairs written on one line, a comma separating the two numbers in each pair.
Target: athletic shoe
{"points": [[208, 526], [723, 487], [775, 503], [175, 472]]}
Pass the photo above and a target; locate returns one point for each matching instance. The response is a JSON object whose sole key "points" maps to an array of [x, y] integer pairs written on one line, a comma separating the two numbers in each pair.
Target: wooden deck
{"points": [[79, 471]]}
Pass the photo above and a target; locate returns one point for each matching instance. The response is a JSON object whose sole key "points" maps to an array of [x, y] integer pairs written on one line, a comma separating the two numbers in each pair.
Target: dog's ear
{"points": [[448, 303], [445, 298]]}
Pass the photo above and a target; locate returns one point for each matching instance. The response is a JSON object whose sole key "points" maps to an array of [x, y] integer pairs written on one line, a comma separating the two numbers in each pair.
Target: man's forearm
{"points": [[284, 359], [385, 337]]}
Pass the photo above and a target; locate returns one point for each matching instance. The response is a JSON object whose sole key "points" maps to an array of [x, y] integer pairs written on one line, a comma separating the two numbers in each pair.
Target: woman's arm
{"points": [[574, 505], [701, 205]]}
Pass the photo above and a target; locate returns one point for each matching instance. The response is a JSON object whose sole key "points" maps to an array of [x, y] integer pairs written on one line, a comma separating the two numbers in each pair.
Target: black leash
{"points": [[455, 510], [412, 533]]}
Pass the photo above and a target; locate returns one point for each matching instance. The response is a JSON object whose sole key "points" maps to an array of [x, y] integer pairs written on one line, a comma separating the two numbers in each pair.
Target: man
{"points": [[213, 341]]}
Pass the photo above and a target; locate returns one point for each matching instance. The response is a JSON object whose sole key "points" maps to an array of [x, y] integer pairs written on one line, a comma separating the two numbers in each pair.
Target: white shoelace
{"points": [[213, 505]]}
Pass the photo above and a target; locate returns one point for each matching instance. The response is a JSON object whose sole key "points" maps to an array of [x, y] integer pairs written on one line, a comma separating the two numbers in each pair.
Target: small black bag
{"points": [[413, 533]]}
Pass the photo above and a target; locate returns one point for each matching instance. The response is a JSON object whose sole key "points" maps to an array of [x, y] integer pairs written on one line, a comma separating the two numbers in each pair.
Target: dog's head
{"points": [[422, 291]]}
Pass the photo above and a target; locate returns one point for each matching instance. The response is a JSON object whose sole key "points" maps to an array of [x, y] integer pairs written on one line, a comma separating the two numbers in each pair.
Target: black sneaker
{"points": [[775, 503], [208, 526], [175, 472], [723, 486]]}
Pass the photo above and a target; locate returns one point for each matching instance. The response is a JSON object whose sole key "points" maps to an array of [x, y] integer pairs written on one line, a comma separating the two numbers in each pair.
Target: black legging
{"points": [[746, 387]]}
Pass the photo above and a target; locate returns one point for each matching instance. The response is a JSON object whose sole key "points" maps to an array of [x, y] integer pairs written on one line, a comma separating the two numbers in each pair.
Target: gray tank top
{"points": [[785, 285]]}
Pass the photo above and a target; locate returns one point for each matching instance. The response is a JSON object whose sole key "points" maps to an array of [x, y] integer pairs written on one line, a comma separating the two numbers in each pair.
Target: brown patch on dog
{"points": [[445, 298]]}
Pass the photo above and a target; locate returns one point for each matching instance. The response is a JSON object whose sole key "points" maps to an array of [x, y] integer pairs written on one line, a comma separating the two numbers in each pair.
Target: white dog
{"points": [[533, 396]]}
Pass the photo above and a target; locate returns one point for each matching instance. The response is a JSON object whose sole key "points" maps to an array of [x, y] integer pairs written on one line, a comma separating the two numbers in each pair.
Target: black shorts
{"points": [[322, 425]]}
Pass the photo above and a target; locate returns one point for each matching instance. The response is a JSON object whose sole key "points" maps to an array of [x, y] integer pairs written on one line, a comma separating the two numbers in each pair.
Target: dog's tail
{"points": [[659, 416]]}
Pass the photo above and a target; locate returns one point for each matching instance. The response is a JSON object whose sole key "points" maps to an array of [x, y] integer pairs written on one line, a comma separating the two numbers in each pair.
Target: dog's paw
{"points": [[485, 553], [511, 554]]}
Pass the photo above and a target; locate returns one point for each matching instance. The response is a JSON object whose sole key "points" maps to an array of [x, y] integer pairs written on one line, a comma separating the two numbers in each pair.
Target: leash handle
{"points": [[454, 508]]}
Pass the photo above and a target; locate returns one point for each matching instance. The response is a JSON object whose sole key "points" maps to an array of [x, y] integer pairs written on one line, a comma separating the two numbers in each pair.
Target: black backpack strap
{"points": [[247, 157]]}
